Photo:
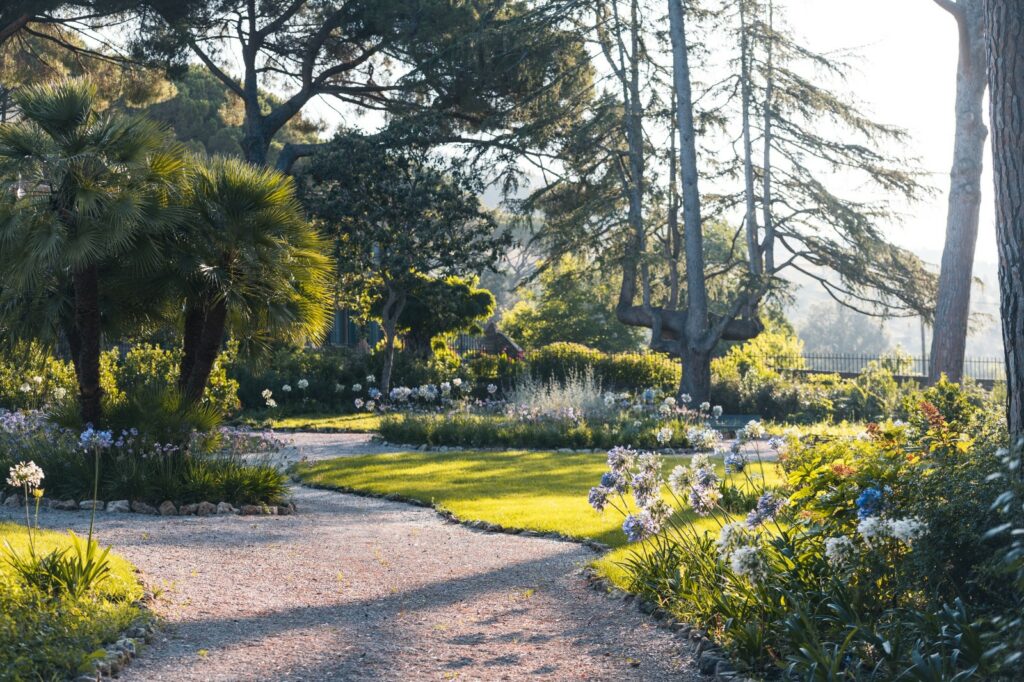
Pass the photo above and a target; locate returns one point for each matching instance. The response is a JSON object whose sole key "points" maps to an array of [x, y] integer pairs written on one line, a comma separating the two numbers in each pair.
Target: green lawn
{"points": [[44, 638], [343, 423], [542, 491]]}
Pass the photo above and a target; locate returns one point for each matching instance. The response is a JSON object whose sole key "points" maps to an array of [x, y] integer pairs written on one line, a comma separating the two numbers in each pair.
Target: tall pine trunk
{"points": [[87, 327], [696, 344], [952, 308], [1004, 25]]}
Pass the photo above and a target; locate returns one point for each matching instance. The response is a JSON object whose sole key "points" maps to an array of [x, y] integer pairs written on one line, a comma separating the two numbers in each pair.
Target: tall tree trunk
{"points": [[766, 173], [952, 307], [696, 379], [191, 338], [390, 313], [750, 215], [1004, 25], [87, 323], [695, 342], [208, 349]]}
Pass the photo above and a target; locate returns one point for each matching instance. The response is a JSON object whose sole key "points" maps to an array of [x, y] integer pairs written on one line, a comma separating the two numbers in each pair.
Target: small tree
{"points": [[437, 306], [396, 215], [573, 302]]}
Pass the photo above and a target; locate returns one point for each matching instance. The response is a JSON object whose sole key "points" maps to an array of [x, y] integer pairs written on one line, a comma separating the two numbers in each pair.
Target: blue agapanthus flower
{"points": [[613, 481], [637, 527], [598, 498], [91, 438], [869, 502]]}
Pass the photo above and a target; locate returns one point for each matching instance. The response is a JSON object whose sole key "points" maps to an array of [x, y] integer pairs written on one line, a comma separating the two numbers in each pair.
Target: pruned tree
{"points": [[395, 216], [1004, 26], [953, 300], [437, 306], [775, 187]]}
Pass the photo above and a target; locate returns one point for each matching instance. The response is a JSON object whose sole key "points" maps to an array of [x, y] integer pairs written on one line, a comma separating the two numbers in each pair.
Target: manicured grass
{"points": [[44, 638], [542, 491], [364, 422]]}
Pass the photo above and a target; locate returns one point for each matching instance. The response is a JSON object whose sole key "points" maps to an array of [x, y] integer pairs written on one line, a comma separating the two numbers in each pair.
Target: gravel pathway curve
{"points": [[354, 588]]}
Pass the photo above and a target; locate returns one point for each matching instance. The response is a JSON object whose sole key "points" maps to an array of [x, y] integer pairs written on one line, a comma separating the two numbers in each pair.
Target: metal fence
{"points": [[979, 368]]}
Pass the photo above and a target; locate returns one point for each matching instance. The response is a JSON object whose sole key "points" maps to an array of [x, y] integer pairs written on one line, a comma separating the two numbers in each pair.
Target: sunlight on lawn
{"points": [[346, 423], [542, 491]]}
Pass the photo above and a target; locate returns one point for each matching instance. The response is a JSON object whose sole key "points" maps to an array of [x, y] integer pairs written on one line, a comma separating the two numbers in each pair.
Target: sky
{"points": [[905, 75]]}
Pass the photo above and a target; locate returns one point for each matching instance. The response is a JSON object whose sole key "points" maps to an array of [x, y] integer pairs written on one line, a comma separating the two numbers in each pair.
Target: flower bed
{"points": [[226, 464], [874, 561]]}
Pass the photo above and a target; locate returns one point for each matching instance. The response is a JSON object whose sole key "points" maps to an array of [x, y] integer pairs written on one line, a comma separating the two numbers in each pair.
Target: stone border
{"points": [[167, 508], [712, 660]]}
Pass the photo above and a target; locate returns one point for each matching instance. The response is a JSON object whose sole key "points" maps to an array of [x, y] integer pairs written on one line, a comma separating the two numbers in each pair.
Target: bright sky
{"points": [[907, 77]]}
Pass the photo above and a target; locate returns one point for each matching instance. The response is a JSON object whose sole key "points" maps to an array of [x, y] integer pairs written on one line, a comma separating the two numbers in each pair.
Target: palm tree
{"points": [[83, 193], [250, 263]]}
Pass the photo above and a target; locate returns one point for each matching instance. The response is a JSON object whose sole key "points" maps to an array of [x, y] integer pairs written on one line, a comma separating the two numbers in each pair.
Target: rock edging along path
{"points": [[356, 588]]}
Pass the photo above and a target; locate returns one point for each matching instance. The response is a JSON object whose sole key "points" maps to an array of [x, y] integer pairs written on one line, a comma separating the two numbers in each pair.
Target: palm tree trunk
{"points": [[207, 350], [87, 326], [191, 337]]}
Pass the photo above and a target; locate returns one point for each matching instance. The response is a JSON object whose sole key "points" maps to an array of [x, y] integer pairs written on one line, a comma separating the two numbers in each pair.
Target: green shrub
{"points": [[31, 378], [613, 371], [43, 637], [491, 430]]}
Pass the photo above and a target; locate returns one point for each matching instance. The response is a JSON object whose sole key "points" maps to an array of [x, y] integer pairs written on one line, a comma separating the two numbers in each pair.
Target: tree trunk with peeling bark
{"points": [[953, 303], [1004, 26]]}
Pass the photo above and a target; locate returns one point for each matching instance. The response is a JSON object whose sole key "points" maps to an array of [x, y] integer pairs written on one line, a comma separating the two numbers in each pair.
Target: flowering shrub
{"points": [[229, 464], [874, 563]]}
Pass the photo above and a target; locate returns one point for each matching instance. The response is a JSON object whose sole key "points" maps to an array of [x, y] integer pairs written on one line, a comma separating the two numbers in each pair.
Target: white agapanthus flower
{"points": [[303, 384], [356, 388], [717, 411], [370, 379], [754, 429], [732, 536], [748, 562], [37, 380], [678, 479], [359, 403], [670, 401], [446, 388], [492, 389], [872, 528], [705, 406], [266, 394], [25, 474], [456, 382], [665, 435], [25, 388], [286, 388], [685, 398], [840, 550], [271, 402], [906, 530], [60, 393], [370, 405]]}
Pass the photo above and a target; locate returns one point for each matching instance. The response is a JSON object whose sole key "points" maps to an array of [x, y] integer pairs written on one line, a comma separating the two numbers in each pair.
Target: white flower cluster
{"points": [[25, 474], [303, 384], [840, 550], [665, 435], [748, 561], [703, 437], [752, 431], [904, 530]]}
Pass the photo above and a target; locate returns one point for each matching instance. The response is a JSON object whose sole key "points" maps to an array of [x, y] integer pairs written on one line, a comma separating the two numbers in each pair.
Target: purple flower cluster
{"points": [[768, 507]]}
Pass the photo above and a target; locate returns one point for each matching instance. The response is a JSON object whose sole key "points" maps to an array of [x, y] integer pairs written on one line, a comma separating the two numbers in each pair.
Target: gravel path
{"points": [[354, 588]]}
